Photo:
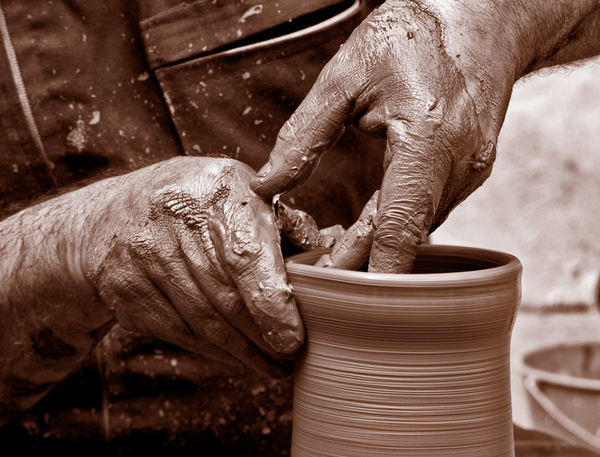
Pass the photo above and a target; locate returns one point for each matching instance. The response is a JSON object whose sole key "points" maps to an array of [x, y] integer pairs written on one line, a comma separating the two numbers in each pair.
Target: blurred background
{"points": [[542, 201], [542, 204]]}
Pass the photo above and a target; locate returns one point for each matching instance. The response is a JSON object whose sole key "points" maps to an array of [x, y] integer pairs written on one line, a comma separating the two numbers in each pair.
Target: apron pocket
{"points": [[234, 102]]}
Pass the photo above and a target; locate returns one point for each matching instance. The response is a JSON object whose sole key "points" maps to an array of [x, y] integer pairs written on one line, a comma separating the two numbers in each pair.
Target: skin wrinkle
{"points": [[231, 296], [200, 213], [125, 302], [406, 212], [160, 314], [234, 245], [156, 319]]}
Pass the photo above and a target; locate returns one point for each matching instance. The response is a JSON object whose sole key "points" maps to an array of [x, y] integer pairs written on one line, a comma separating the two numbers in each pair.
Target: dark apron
{"points": [[114, 86], [234, 100]]}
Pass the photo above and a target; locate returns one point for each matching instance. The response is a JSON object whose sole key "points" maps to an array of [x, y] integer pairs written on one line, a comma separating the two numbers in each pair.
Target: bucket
{"points": [[562, 390], [414, 364]]}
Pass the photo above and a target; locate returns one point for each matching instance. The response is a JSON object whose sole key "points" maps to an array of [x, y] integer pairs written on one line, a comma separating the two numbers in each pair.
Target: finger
{"points": [[161, 259], [130, 296], [314, 127], [223, 294], [211, 331], [158, 305], [152, 292], [352, 250], [223, 243], [252, 256], [412, 186]]}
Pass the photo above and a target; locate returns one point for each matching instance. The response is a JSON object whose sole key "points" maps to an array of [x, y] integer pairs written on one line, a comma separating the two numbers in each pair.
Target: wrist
{"points": [[518, 36], [493, 43], [48, 249], [50, 317], [572, 34], [41, 246]]}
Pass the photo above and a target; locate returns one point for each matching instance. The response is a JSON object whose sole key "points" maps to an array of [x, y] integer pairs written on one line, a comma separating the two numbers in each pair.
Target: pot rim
{"points": [[508, 266]]}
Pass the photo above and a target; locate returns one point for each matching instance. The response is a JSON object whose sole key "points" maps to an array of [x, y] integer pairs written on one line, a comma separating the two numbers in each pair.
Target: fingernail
{"points": [[285, 341], [264, 170]]}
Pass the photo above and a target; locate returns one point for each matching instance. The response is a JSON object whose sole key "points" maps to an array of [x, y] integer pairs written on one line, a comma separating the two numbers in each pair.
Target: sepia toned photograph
{"points": [[317, 228]]}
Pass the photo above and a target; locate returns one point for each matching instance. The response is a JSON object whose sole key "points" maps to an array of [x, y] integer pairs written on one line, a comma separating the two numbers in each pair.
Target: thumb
{"points": [[314, 127]]}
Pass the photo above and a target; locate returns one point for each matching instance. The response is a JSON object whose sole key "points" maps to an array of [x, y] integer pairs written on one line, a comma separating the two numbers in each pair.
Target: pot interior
{"points": [[434, 259]]}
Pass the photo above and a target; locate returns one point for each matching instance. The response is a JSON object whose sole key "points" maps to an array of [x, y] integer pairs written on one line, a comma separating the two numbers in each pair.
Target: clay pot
{"points": [[398, 365]]}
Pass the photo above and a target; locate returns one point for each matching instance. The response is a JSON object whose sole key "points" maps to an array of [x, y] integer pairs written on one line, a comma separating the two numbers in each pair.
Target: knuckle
{"points": [[396, 228], [192, 210]]}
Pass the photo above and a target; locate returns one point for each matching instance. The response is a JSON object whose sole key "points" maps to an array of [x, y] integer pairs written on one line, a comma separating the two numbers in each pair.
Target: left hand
{"points": [[393, 78]]}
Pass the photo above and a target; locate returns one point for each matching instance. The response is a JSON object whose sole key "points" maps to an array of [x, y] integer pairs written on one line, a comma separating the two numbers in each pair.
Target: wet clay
{"points": [[406, 365], [302, 230]]}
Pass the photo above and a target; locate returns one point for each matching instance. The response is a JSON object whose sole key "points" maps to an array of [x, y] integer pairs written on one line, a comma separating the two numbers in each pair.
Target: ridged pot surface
{"points": [[403, 365]]}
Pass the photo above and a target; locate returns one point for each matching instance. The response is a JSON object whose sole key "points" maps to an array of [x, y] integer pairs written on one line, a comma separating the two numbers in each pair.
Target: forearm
{"points": [[493, 43], [50, 317], [533, 33]]}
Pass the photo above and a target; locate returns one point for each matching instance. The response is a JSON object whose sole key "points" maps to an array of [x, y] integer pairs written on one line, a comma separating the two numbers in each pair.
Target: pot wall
{"points": [[406, 364]]}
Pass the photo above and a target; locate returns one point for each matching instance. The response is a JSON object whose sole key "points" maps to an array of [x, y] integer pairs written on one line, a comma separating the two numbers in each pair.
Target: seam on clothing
{"points": [[22, 94], [201, 28]]}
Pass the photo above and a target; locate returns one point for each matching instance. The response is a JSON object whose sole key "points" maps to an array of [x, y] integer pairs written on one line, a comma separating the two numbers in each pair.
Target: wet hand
{"points": [[392, 78], [195, 260]]}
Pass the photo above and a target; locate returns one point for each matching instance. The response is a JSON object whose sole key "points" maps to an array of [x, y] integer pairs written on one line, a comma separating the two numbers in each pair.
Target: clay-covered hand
{"points": [[194, 259], [434, 77], [394, 78]]}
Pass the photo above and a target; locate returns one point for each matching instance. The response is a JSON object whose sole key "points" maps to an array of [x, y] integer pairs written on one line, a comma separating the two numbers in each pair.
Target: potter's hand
{"points": [[182, 250], [435, 79], [195, 260], [392, 78]]}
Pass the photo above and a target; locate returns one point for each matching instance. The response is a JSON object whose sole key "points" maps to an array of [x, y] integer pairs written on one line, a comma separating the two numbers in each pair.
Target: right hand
{"points": [[434, 78], [192, 257]]}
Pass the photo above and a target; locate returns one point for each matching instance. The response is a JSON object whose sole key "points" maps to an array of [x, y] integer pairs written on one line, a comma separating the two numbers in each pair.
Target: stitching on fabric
{"points": [[22, 94]]}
